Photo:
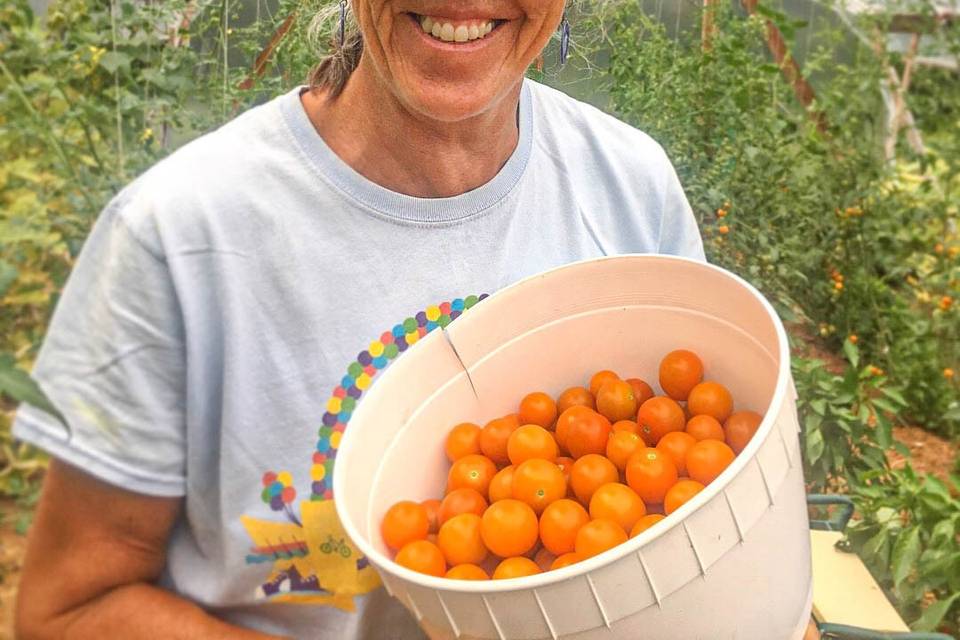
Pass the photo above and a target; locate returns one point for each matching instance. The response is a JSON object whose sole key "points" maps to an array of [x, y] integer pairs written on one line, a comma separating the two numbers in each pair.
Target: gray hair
{"points": [[338, 60]]}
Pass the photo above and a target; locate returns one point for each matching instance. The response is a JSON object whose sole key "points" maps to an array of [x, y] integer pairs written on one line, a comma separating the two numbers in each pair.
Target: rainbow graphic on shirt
{"points": [[312, 560]]}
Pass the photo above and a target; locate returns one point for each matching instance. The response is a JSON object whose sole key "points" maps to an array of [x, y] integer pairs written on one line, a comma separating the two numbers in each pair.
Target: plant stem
{"points": [[51, 139], [121, 164]]}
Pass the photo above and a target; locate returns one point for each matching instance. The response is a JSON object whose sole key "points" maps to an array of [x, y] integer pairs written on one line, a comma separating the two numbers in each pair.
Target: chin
{"points": [[455, 101]]}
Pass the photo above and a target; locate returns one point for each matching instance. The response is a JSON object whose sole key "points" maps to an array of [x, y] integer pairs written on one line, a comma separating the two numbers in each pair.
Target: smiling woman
{"points": [[234, 303]]}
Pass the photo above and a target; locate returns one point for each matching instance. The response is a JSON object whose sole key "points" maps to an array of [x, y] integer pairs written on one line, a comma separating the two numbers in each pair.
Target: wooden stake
{"points": [[260, 64], [902, 115], [708, 27], [790, 69]]}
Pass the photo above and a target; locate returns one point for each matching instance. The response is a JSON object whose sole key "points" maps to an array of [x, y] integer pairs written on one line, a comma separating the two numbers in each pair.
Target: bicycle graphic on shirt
{"points": [[335, 546]]}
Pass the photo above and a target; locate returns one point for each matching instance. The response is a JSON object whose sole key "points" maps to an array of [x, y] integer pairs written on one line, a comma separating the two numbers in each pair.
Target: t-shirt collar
{"points": [[397, 205]]}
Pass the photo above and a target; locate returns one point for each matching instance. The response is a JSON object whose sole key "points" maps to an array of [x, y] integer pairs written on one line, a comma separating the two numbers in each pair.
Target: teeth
{"points": [[447, 32]]}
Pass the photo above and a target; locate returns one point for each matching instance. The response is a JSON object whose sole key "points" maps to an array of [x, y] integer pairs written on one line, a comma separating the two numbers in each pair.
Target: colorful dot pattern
{"points": [[359, 376]]}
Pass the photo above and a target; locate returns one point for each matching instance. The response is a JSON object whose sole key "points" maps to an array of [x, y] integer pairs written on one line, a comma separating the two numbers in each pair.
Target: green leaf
{"points": [[906, 551], [8, 274], [819, 406], [894, 395], [934, 613], [942, 533], [852, 353], [23, 522], [815, 445], [154, 76], [884, 434], [876, 546], [17, 384], [114, 60]]}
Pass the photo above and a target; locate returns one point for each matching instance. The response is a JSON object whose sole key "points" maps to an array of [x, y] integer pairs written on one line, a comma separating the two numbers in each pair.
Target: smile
{"points": [[448, 30]]}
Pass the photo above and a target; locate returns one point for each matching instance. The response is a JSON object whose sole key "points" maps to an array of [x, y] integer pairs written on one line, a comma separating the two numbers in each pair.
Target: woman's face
{"points": [[450, 60]]}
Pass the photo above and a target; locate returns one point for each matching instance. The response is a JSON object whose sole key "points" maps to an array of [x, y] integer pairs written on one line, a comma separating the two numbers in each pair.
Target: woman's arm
{"points": [[93, 555]]}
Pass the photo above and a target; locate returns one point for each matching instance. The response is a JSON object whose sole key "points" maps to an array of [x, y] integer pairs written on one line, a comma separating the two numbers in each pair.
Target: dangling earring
{"points": [[343, 21], [564, 39]]}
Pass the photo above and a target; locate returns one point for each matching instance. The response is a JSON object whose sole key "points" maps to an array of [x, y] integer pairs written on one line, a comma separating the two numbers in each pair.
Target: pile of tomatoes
{"points": [[561, 481]]}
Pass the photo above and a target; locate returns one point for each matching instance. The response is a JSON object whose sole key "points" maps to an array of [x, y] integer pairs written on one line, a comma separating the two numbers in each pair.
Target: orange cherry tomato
{"points": [[740, 428], [574, 397], [597, 536], [626, 425], [680, 371], [617, 502], [559, 524], [707, 459], [588, 433], [659, 416], [704, 427], [616, 400], [651, 473], [531, 441], [501, 487], [509, 528], [459, 540], [467, 572], [589, 473], [641, 390], [711, 399], [565, 560], [495, 435], [622, 445], [471, 472], [516, 567], [566, 421], [538, 483], [645, 523], [463, 500], [403, 523], [462, 440], [433, 514], [423, 557], [599, 379], [680, 493], [538, 408], [676, 444]]}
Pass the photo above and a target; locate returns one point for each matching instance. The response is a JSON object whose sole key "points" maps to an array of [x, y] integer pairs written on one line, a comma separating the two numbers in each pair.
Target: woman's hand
{"points": [[93, 555]]}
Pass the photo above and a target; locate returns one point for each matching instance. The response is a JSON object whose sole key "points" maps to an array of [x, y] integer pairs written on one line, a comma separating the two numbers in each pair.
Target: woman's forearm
{"points": [[133, 611]]}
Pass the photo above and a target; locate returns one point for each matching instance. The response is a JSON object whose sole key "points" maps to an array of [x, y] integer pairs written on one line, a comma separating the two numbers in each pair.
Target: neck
{"points": [[407, 152]]}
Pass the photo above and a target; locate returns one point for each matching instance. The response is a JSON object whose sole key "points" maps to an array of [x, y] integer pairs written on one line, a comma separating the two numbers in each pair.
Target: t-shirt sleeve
{"points": [[679, 233], [113, 364]]}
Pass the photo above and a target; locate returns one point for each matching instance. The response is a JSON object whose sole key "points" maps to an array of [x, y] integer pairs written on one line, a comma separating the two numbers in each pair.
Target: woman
{"points": [[204, 352]]}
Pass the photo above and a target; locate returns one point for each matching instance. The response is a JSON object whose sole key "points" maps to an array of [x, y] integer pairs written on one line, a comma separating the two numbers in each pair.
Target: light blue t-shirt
{"points": [[232, 305]]}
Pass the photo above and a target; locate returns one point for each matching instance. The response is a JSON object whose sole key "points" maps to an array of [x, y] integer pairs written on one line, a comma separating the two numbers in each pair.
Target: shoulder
{"points": [[573, 129], [622, 182], [207, 179]]}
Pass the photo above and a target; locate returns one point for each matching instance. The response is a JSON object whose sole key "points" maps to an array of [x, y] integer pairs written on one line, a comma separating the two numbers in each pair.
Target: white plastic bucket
{"points": [[734, 562]]}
